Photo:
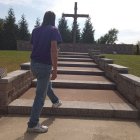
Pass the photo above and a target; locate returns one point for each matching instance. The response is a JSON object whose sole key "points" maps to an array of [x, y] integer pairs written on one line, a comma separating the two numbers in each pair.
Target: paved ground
{"points": [[14, 128]]}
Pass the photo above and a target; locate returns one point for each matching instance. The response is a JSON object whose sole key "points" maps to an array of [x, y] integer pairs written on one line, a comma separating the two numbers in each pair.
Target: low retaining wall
{"points": [[67, 47], [12, 86], [104, 48], [127, 84], [24, 45]]}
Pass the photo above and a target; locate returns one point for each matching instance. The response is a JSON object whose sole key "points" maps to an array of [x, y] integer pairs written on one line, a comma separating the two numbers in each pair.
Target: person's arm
{"points": [[54, 54]]}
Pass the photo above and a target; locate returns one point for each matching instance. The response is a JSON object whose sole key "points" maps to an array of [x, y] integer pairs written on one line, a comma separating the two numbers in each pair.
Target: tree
{"points": [[77, 32], [37, 23], [1, 24], [88, 32], [103, 39], [138, 48], [64, 30], [23, 32], [9, 32], [1, 33], [109, 38]]}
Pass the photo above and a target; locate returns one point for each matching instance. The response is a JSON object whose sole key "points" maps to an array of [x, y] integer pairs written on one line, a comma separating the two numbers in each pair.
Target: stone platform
{"points": [[83, 89]]}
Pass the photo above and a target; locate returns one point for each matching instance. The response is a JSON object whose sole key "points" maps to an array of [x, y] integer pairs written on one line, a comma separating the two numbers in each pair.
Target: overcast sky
{"points": [[105, 14]]}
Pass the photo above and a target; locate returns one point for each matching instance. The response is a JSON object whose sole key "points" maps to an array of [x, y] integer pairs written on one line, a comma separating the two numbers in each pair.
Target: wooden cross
{"points": [[75, 16]]}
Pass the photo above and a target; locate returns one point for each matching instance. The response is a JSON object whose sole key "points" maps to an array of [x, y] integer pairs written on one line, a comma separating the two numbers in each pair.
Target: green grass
{"points": [[130, 61], [11, 60]]}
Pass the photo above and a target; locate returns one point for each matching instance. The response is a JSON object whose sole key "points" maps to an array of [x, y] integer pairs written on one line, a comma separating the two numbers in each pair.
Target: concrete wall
{"points": [[127, 84], [24, 45], [115, 48]]}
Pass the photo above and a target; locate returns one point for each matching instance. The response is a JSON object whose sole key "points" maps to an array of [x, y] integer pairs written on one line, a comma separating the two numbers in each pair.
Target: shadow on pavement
{"points": [[32, 136]]}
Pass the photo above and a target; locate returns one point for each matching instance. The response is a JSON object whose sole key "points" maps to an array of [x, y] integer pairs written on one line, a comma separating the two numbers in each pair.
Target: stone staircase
{"points": [[83, 89]]}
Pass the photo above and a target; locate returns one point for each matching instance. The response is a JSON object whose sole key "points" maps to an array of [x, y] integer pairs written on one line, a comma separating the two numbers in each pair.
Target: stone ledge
{"points": [[132, 78], [78, 108], [13, 75], [14, 85], [103, 62], [96, 56], [25, 66], [107, 60], [119, 68], [129, 86], [113, 71]]}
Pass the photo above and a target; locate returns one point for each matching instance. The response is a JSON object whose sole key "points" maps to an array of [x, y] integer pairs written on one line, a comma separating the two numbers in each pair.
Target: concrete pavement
{"points": [[70, 128]]}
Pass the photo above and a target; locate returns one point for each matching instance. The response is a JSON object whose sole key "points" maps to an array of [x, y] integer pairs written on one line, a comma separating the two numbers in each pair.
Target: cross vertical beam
{"points": [[75, 23], [75, 16]]}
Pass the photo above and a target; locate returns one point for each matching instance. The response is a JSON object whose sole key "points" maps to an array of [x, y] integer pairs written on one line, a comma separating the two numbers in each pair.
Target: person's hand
{"points": [[54, 74]]}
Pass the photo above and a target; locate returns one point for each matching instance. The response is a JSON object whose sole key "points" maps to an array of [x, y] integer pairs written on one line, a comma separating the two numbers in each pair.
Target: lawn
{"points": [[130, 61], [12, 60]]}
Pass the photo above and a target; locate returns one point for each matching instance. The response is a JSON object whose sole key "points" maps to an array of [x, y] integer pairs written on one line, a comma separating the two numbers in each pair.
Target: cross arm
{"points": [[67, 15], [72, 15], [82, 15]]}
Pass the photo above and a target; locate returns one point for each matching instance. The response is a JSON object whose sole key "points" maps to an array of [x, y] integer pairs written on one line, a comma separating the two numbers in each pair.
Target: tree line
{"points": [[10, 32]]}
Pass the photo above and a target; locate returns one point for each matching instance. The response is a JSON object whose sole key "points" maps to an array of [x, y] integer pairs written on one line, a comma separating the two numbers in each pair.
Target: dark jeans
{"points": [[44, 87]]}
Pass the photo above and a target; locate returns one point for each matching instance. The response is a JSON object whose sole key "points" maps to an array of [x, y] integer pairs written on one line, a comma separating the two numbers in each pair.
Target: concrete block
{"points": [[25, 66]]}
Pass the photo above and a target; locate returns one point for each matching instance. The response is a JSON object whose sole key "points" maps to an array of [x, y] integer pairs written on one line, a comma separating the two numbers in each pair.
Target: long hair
{"points": [[49, 18]]}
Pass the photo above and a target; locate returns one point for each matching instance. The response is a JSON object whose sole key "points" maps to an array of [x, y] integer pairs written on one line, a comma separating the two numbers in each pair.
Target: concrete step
{"points": [[81, 81], [73, 56], [89, 78], [26, 66], [77, 64], [79, 102], [80, 71], [72, 53], [75, 59], [80, 84], [77, 108]]}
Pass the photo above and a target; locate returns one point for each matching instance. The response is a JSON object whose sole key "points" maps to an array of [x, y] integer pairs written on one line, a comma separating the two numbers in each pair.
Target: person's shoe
{"points": [[38, 129], [57, 104]]}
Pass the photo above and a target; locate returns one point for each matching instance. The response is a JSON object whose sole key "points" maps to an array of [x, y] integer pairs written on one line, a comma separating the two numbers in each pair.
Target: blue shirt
{"points": [[41, 41]]}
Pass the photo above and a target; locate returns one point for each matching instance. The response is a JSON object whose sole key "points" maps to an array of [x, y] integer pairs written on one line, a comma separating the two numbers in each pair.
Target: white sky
{"points": [[105, 14]]}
